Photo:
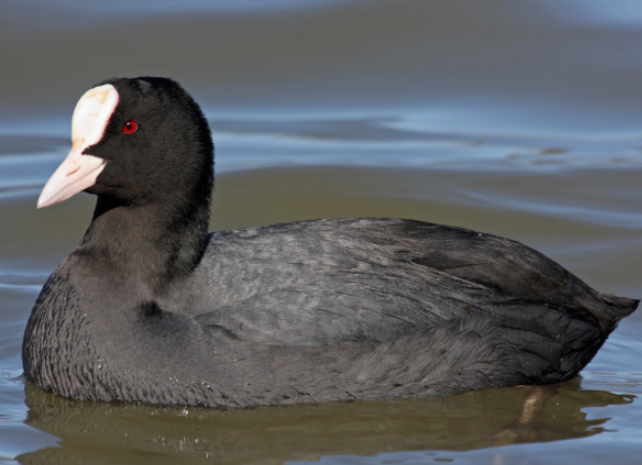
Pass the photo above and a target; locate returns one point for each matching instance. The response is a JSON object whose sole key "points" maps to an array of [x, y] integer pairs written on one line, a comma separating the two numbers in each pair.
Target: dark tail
{"points": [[613, 310], [554, 345]]}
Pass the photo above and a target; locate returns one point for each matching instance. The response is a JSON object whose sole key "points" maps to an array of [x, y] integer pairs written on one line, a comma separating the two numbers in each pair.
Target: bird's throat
{"points": [[148, 248]]}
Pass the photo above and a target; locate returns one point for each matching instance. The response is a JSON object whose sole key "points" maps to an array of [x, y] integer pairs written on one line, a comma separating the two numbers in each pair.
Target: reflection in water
{"points": [[113, 433]]}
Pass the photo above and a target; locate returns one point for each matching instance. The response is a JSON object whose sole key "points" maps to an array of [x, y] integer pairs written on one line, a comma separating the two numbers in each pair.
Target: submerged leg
{"points": [[522, 429]]}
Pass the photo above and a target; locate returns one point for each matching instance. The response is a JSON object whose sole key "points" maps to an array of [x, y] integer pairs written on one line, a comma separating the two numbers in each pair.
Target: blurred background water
{"points": [[518, 118]]}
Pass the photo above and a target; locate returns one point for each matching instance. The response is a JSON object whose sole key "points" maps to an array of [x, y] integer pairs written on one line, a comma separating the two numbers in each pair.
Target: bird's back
{"points": [[344, 281]]}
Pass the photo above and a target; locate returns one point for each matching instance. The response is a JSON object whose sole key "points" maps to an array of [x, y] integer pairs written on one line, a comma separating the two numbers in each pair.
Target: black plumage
{"points": [[151, 308]]}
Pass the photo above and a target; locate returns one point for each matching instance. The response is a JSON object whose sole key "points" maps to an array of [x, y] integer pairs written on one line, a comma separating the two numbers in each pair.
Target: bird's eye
{"points": [[130, 127]]}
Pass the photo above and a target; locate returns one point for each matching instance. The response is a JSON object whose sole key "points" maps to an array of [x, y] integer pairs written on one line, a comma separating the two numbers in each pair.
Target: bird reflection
{"points": [[93, 432]]}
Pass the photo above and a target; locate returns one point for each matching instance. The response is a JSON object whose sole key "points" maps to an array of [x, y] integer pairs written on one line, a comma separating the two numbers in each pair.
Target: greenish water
{"points": [[515, 118]]}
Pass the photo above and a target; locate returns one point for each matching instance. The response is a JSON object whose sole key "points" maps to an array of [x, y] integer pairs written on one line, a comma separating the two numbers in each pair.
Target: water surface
{"points": [[521, 119]]}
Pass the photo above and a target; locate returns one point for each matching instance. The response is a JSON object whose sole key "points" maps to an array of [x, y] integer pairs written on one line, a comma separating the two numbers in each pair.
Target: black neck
{"points": [[152, 245]]}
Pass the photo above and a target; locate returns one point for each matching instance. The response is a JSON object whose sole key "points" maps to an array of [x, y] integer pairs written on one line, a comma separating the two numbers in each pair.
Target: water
{"points": [[515, 118]]}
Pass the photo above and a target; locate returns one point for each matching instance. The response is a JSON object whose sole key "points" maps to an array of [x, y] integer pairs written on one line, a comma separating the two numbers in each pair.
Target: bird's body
{"points": [[150, 308]]}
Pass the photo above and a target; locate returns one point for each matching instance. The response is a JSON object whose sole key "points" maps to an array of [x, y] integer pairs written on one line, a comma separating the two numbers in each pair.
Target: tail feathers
{"points": [[614, 309], [552, 349]]}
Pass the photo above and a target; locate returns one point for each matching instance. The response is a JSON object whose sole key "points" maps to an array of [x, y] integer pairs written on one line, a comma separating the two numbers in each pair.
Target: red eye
{"points": [[130, 127]]}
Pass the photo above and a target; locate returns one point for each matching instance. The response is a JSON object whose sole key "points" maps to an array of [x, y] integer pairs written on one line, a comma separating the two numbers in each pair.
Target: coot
{"points": [[151, 308]]}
